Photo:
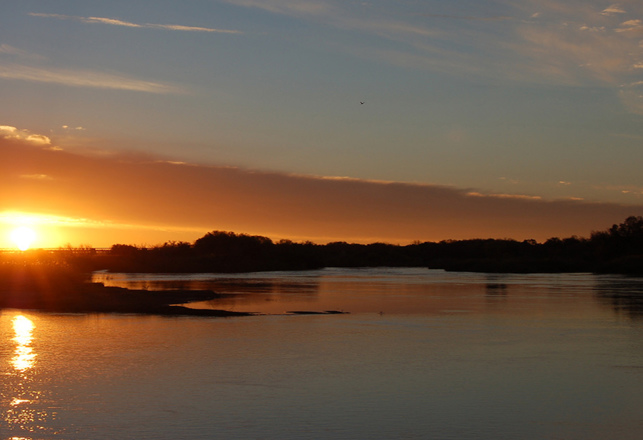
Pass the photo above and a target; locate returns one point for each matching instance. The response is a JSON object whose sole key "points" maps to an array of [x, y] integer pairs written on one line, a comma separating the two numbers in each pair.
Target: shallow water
{"points": [[422, 354]]}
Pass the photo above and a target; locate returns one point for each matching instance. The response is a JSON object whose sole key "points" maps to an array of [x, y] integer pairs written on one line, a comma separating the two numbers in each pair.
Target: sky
{"points": [[144, 121]]}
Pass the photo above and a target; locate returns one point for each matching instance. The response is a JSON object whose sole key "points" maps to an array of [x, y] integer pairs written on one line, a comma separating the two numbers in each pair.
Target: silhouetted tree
{"points": [[123, 250]]}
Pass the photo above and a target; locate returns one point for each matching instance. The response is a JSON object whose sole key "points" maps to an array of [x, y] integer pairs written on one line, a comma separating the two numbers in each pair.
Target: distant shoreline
{"points": [[616, 250], [59, 280]]}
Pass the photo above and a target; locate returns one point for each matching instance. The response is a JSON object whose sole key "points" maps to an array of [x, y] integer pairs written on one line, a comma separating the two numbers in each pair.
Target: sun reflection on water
{"points": [[24, 358], [23, 411]]}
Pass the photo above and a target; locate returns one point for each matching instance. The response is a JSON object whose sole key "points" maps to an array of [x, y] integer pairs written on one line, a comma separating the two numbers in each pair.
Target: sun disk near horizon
{"points": [[22, 237]]}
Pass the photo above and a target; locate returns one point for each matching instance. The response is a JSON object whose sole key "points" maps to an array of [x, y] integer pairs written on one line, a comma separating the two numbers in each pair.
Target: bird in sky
{"points": [[361, 102]]}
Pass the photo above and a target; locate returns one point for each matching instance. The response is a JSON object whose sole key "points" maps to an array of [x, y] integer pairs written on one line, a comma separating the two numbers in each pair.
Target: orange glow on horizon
{"points": [[125, 199], [25, 231]]}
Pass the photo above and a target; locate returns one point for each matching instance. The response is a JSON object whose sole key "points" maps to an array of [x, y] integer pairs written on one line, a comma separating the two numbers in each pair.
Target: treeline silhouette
{"points": [[618, 249]]}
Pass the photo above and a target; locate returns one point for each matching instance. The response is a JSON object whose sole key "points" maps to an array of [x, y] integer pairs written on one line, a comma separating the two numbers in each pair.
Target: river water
{"points": [[421, 354]]}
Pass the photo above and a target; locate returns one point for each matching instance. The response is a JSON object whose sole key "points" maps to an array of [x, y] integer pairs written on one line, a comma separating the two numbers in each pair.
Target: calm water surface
{"points": [[423, 354]]}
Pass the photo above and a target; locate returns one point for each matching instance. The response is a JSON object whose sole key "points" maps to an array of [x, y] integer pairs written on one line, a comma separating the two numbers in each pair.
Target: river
{"points": [[419, 354]]}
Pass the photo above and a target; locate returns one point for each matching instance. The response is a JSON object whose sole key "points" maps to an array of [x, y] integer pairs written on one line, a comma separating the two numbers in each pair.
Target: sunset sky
{"points": [[139, 121]]}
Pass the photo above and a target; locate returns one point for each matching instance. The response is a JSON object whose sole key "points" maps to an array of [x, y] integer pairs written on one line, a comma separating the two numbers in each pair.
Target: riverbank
{"points": [[97, 298], [62, 289]]}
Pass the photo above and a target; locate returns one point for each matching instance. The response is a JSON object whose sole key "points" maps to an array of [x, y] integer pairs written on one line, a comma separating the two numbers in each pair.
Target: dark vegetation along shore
{"points": [[58, 287], [58, 280], [616, 250]]}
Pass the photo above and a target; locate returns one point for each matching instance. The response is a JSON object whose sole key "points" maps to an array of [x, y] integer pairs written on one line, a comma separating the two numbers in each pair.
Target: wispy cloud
{"points": [[613, 9], [504, 196], [562, 42], [117, 22], [83, 78], [584, 43], [634, 27], [339, 15], [469, 17], [289, 7], [8, 50], [41, 177], [12, 133]]}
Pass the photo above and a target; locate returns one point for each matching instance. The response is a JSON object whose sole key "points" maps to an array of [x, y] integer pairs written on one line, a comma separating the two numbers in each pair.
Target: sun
{"points": [[23, 237]]}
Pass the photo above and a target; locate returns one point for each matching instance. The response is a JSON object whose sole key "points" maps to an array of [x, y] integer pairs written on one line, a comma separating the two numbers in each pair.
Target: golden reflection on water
{"points": [[24, 358], [22, 414]]}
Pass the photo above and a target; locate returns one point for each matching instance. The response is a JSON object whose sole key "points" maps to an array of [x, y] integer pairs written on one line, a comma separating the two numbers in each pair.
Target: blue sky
{"points": [[538, 98]]}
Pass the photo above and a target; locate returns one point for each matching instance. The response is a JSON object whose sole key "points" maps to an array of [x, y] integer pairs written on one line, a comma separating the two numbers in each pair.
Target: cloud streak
{"points": [[17, 218], [158, 194], [122, 23], [288, 7], [83, 78]]}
